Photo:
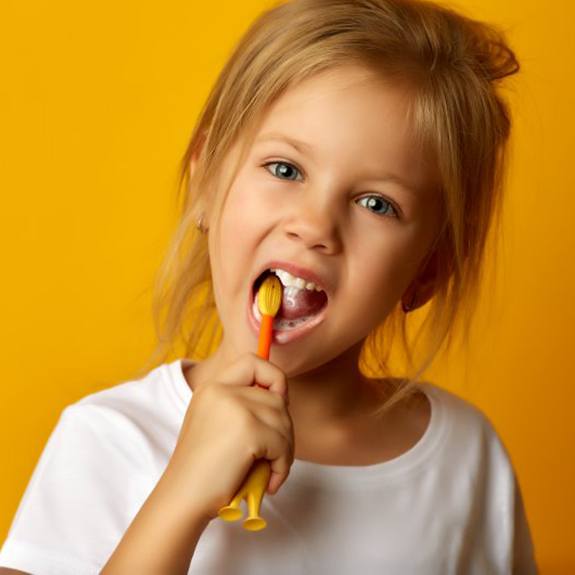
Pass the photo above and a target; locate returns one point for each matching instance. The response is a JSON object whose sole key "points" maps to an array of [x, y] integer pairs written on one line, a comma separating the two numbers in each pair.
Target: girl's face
{"points": [[334, 184]]}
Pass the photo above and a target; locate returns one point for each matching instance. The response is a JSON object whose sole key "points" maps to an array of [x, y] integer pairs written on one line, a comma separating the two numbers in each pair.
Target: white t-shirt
{"points": [[449, 505]]}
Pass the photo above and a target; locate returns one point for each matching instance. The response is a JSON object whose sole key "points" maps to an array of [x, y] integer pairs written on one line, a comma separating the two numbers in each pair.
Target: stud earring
{"points": [[200, 225]]}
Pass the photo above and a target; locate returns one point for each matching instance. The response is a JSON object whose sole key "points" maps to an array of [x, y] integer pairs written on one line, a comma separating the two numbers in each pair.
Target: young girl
{"points": [[356, 148]]}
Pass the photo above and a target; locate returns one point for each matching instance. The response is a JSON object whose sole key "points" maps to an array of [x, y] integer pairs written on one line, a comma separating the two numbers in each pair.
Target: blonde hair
{"points": [[452, 64]]}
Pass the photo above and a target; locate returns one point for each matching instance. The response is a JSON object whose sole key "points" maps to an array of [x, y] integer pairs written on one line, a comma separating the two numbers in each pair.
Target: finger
{"points": [[250, 369], [280, 468], [278, 451], [262, 396], [275, 482], [278, 422]]}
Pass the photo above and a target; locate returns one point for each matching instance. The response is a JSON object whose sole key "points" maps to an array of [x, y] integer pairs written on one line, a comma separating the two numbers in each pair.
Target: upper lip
{"points": [[309, 275]]}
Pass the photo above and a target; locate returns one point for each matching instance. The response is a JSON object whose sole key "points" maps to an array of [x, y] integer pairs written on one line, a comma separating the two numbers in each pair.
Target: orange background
{"points": [[97, 102]]}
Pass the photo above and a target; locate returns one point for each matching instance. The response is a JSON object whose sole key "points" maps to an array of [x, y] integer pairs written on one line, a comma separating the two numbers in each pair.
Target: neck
{"points": [[330, 407], [330, 393], [325, 396]]}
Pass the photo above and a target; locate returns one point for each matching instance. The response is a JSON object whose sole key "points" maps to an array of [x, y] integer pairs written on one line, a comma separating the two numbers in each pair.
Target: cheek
{"points": [[243, 210], [379, 289], [382, 275], [233, 242], [236, 215]]}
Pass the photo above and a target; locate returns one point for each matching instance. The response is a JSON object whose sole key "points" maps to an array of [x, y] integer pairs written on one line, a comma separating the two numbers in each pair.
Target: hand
{"points": [[229, 424]]}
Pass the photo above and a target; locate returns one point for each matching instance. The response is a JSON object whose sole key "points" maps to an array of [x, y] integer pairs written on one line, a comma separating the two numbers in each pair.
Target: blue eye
{"points": [[287, 171], [284, 170], [379, 204]]}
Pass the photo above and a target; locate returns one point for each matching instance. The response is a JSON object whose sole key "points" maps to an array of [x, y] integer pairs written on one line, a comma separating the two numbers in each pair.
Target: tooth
{"points": [[289, 280]]}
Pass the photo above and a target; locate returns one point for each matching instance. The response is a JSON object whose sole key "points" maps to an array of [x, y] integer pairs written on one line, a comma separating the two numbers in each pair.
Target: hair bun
{"points": [[495, 60]]}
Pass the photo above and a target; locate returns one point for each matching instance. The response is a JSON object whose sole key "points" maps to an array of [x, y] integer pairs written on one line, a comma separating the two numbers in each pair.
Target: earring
{"points": [[407, 307], [200, 224]]}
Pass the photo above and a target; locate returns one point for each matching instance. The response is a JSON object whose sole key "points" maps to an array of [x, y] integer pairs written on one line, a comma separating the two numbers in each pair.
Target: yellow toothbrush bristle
{"points": [[270, 296]]}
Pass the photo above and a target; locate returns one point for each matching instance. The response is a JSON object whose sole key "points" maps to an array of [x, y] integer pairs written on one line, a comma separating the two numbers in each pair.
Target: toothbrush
{"points": [[269, 300]]}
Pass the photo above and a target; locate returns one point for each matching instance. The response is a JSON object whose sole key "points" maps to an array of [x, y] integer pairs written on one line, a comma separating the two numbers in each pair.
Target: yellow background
{"points": [[97, 102]]}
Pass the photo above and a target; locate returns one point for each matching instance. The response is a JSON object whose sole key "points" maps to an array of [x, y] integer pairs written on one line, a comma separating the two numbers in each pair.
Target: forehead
{"points": [[346, 99], [350, 115]]}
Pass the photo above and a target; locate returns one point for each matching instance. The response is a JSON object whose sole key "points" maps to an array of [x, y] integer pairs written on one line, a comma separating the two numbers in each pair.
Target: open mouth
{"points": [[302, 307]]}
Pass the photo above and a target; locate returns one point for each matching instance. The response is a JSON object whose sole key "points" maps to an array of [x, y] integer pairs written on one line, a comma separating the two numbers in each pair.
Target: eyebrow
{"points": [[303, 147], [299, 145]]}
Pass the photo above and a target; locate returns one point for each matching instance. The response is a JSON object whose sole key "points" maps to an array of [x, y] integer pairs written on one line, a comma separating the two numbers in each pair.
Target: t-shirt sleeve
{"points": [[508, 528], [82, 495], [523, 552]]}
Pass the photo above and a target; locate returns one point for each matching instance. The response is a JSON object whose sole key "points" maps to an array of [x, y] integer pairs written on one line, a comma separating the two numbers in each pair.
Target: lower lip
{"points": [[285, 336]]}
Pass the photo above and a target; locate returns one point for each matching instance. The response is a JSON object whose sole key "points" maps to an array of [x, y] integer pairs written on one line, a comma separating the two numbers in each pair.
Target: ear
{"points": [[422, 288]]}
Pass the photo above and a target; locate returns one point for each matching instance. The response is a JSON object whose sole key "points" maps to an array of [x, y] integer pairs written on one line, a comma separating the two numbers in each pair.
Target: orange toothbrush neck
{"points": [[265, 338]]}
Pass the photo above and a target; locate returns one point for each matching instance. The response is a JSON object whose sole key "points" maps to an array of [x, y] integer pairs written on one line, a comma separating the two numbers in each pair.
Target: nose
{"points": [[314, 223]]}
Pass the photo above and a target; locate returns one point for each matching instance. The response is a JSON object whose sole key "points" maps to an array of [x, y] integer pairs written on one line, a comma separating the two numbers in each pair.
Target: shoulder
{"points": [[134, 403], [461, 412], [478, 469], [105, 447], [124, 396], [469, 432], [101, 461], [126, 420]]}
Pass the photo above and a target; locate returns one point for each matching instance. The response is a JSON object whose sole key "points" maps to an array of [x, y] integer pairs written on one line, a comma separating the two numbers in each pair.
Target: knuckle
{"points": [[250, 357], [290, 447], [277, 401], [252, 450], [281, 463], [244, 362], [287, 425], [287, 421], [254, 447], [248, 424], [282, 379], [287, 448]]}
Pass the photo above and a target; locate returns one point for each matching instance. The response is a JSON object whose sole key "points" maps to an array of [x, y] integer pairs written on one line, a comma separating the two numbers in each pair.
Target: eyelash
{"points": [[395, 209]]}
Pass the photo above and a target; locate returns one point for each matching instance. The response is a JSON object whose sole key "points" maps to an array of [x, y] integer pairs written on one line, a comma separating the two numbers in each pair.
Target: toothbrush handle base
{"points": [[230, 513]]}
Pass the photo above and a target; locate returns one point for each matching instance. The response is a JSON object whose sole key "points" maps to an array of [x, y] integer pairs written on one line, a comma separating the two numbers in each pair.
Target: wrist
{"points": [[182, 498]]}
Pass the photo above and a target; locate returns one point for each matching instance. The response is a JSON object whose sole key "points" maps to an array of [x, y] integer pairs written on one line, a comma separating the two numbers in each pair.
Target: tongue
{"points": [[298, 303]]}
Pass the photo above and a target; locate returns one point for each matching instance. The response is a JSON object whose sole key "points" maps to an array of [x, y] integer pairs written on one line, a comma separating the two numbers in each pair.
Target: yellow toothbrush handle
{"points": [[269, 299], [252, 491]]}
